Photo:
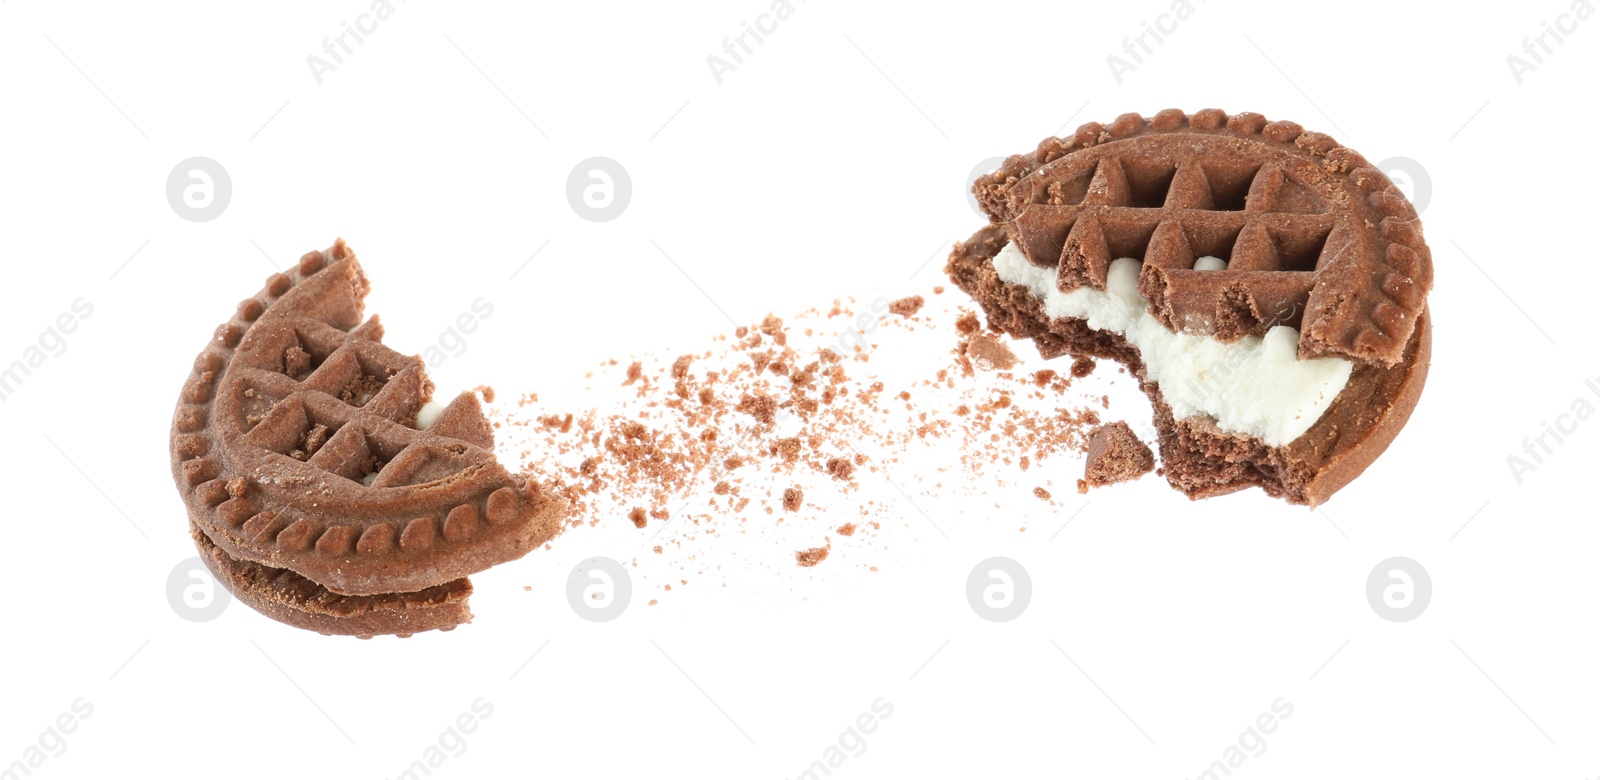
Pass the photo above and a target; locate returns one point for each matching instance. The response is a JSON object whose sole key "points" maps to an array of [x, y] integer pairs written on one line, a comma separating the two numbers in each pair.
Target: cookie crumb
{"points": [[761, 406], [811, 557], [907, 306], [841, 468], [296, 362], [988, 351]]}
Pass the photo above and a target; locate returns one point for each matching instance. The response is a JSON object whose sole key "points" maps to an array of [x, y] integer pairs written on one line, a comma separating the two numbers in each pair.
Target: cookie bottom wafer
{"points": [[290, 598]]}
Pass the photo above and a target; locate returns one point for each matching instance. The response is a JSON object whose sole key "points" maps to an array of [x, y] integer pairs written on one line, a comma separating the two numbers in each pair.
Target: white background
{"points": [[831, 163]]}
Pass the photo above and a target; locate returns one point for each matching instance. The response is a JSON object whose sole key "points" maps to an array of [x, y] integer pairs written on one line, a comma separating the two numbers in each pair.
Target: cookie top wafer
{"points": [[1314, 236], [295, 446]]}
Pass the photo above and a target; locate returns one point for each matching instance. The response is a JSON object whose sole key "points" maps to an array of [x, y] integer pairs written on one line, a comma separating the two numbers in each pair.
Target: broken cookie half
{"points": [[1266, 285], [323, 486]]}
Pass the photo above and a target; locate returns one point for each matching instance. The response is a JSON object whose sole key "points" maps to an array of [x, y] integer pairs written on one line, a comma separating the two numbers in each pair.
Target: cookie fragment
{"points": [[1115, 455], [324, 486], [1250, 233]]}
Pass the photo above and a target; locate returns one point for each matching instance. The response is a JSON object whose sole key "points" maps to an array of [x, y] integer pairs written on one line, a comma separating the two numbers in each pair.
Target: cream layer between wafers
{"points": [[1255, 385]]}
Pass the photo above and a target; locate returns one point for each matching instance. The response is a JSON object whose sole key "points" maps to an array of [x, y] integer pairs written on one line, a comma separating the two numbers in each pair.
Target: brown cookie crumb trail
{"points": [[1082, 365], [811, 557], [638, 517], [1115, 455], [634, 372], [759, 425], [1041, 493], [988, 351], [908, 306]]}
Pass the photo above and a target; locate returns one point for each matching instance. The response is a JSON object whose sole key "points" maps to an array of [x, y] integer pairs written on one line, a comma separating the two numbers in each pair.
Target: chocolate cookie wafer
{"points": [[290, 598], [323, 486], [1267, 285]]}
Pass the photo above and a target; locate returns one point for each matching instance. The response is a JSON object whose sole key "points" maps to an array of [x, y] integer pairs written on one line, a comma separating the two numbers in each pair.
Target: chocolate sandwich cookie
{"points": [[323, 486], [1267, 286]]}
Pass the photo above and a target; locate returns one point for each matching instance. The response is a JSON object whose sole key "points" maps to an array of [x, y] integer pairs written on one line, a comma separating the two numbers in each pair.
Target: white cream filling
{"points": [[1255, 385], [427, 414]]}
